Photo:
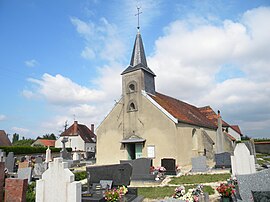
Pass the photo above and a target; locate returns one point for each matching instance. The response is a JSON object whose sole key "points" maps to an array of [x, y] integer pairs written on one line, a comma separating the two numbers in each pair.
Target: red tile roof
{"points": [[229, 136], [4, 140], [46, 142], [184, 112], [212, 116], [79, 129]]}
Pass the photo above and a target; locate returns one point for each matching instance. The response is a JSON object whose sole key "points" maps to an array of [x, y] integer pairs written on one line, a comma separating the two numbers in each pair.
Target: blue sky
{"points": [[64, 58]]}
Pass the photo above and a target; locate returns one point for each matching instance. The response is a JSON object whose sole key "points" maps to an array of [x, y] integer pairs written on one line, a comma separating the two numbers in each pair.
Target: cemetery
{"points": [[33, 178]]}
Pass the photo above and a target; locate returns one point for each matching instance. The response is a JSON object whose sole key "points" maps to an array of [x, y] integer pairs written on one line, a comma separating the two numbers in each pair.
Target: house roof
{"points": [[236, 128], [212, 116], [229, 136], [184, 112], [82, 130], [45, 142], [138, 58], [4, 140]]}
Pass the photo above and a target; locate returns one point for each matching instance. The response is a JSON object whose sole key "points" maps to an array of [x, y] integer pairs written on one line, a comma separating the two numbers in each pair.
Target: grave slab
{"points": [[15, 190], [10, 162], [223, 160], [199, 164], [169, 165], [25, 173]]}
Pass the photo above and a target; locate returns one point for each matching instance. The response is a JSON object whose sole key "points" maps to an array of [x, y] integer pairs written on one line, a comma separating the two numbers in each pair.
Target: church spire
{"points": [[138, 55]]}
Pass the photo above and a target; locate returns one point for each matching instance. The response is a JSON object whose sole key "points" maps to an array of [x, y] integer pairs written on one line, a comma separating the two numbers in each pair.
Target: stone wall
{"points": [[262, 147]]}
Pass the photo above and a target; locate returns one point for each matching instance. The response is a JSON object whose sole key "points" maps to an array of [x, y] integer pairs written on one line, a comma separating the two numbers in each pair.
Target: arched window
{"points": [[194, 139], [132, 106], [132, 87]]}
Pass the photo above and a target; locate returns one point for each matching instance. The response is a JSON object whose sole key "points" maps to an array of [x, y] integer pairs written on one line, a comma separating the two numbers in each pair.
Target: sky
{"points": [[61, 60]]}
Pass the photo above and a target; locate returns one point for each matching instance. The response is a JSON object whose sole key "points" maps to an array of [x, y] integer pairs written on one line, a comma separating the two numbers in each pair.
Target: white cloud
{"points": [[189, 57], [88, 53], [31, 63], [61, 90], [19, 130], [2, 117]]}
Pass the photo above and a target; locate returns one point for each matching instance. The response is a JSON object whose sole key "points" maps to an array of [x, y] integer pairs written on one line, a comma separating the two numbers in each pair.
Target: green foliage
{"points": [[48, 137], [199, 179], [23, 142], [30, 193], [262, 140], [29, 150], [15, 138], [245, 137], [80, 175]]}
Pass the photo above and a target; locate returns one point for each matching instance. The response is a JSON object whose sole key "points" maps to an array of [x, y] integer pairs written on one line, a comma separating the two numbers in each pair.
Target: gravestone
{"points": [[140, 168], [60, 180], [2, 179], [38, 160], [223, 160], [10, 162], [255, 182], [199, 164], [242, 161], [251, 147], [39, 169], [2, 156], [64, 153], [115, 175], [169, 165], [25, 173], [15, 190]]}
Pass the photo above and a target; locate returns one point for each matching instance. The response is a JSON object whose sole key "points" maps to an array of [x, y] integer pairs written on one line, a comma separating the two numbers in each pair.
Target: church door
{"points": [[134, 151]]}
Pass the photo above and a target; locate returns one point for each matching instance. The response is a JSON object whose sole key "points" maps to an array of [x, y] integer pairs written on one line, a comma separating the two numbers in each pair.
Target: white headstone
{"points": [[242, 161], [57, 184], [76, 156]]}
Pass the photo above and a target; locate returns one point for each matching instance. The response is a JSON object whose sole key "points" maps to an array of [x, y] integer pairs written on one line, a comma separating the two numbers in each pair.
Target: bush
{"points": [[29, 149], [80, 175], [30, 193]]}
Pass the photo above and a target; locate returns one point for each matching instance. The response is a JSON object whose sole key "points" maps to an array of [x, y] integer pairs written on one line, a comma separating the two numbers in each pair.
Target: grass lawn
{"points": [[199, 179], [162, 192]]}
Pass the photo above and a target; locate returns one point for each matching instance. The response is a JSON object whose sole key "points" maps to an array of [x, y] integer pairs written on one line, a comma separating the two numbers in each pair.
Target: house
{"points": [[43, 143], [4, 140], [80, 138], [146, 123]]}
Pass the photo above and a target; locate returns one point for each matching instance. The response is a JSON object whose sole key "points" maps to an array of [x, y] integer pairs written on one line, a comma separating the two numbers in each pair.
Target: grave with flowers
{"points": [[110, 183]]}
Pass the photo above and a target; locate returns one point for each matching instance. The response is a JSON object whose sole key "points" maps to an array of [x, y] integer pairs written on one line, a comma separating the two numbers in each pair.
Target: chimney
{"points": [[75, 127], [93, 128]]}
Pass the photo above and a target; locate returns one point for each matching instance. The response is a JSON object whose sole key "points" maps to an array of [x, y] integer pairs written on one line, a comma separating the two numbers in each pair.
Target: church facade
{"points": [[146, 123]]}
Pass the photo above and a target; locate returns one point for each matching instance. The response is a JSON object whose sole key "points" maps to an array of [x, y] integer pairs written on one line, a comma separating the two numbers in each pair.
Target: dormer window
{"points": [[132, 87], [132, 106]]}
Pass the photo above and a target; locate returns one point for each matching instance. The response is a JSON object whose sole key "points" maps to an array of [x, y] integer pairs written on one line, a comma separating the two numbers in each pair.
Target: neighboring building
{"points": [[4, 140], [80, 138], [44, 143], [145, 123]]}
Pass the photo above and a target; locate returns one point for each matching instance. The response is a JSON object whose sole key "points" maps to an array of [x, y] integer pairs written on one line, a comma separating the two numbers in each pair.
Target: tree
{"points": [[49, 136], [15, 138]]}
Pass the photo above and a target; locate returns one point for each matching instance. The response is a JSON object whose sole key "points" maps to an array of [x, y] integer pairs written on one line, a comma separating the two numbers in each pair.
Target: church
{"points": [[149, 124]]}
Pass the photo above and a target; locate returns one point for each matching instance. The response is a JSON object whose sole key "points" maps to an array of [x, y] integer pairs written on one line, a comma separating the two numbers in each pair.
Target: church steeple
{"points": [[138, 58]]}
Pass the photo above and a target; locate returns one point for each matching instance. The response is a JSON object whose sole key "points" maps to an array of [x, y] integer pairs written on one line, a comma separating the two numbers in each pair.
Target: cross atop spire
{"points": [[138, 14]]}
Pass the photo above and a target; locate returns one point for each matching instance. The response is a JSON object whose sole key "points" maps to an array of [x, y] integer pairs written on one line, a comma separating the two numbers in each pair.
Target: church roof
{"points": [[212, 116], [183, 111], [138, 58], [79, 129], [4, 140], [237, 129]]}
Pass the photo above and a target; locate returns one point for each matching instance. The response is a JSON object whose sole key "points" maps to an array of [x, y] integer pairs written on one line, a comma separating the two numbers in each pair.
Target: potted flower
{"points": [[226, 191], [112, 195]]}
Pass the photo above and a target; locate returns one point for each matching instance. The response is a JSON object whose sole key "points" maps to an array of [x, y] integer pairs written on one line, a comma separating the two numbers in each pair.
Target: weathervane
{"points": [[138, 14]]}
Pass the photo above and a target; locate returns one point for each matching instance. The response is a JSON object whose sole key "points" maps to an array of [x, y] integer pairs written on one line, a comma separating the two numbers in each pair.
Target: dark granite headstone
{"points": [[223, 160], [259, 181], [10, 162], [199, 164], [169, 165], [119, 173], [260, 196], [141, 169]]}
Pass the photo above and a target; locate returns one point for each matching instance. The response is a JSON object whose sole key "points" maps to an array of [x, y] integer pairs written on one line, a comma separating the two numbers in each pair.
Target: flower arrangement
{"points": [[191, 196], [115, 194], [226, 190]]}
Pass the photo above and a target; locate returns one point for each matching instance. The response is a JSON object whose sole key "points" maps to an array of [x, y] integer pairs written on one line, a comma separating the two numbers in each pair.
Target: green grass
{"points": [[162, 192], [261, 155], [199, 179]]}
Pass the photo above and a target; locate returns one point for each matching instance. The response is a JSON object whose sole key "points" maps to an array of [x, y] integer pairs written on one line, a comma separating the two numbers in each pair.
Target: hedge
{"points": [[29, 149]]}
